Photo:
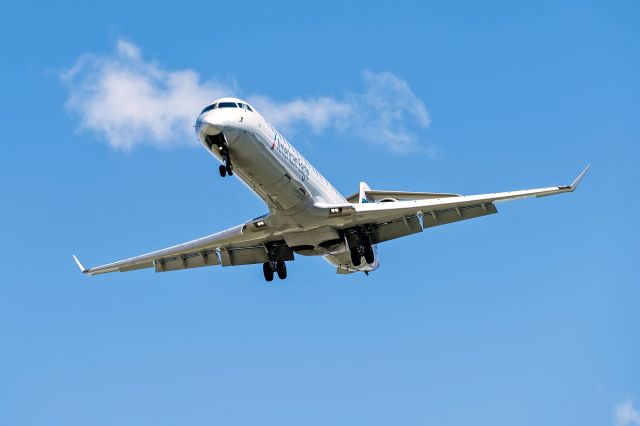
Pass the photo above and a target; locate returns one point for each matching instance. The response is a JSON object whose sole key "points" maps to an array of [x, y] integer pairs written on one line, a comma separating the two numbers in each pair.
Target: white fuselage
{"points": [[265, 161], [272, 168]]}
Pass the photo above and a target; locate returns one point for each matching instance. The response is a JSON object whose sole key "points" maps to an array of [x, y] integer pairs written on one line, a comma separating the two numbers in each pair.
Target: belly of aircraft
{"points": [[264, 175]]}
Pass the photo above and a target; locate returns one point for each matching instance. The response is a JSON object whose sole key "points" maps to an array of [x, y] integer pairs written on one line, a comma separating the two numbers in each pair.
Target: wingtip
{"points": [[577, 180], [82, 268]]}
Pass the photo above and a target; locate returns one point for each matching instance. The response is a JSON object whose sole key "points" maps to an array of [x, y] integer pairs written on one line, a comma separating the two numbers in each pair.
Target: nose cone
{"points": [[227, 120], [209, 124]]}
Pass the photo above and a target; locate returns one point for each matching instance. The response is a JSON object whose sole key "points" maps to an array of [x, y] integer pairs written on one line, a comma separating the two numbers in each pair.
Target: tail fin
{"points": [[362, 198]]}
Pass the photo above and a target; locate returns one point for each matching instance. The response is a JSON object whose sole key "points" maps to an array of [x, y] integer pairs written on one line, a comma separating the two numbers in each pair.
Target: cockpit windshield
{"points": [[209, 108], [227, 105]]}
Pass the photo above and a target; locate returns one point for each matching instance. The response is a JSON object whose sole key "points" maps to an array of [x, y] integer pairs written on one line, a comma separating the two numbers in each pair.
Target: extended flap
{"points": [[444, 216]]}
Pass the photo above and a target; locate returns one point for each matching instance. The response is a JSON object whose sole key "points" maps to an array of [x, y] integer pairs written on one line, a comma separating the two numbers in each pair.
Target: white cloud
{"points": [[382, 114], [626, 414], [128, 101], [316, 113]]}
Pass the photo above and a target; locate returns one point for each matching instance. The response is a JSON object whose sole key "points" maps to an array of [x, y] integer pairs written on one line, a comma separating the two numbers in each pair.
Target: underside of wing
{"points": [[396, 215], [239, 245], [414, 223]]}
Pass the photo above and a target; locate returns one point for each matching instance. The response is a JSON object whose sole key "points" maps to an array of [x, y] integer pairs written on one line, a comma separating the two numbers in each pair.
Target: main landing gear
{"points": [[277, 266], [360, 246]]}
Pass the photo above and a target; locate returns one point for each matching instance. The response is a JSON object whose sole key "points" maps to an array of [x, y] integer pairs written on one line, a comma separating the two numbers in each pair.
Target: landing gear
{"points": [[227, 167], [368, 254], [268, 271], [281, 269], [277, 266], [226, 158], [359, 246], [356, 259], [225, 170], [220, 142]]}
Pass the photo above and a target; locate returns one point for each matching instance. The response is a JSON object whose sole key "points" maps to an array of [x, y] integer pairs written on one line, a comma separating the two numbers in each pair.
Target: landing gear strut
{"points": [[220, 142], [277, 266], [227, 167]]}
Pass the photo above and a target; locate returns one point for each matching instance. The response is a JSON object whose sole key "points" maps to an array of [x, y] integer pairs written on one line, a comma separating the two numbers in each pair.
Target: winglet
{"points": [[82, 268], [577, 181]]}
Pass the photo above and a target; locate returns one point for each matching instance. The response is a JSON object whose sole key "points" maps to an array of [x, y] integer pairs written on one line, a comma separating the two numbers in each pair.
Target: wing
{"points": [[389, 220], [241, 245]]}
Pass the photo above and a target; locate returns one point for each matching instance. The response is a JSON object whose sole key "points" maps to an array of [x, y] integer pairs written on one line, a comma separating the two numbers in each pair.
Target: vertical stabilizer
{"points": [[363, 193]]}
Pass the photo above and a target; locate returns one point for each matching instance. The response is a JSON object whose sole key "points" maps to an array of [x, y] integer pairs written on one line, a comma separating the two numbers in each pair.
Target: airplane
{"points": [[307, 215]]}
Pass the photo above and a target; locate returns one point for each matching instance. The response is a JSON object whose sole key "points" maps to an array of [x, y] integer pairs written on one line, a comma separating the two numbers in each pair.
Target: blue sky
{"points": [[527, 317]]}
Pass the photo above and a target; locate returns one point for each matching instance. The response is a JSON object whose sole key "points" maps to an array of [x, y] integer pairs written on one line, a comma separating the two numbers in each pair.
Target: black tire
{"points": [[281, 269], [369, 256], [268, 272], [222, 170], [356, 259], [229, 169]]}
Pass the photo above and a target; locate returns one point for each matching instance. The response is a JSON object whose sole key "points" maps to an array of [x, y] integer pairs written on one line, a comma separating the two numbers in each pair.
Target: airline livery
{"points": [[307, 215]]}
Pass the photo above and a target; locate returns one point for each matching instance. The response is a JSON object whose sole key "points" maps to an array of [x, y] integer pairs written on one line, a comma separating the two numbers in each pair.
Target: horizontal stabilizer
{"points": [[377, 196]]}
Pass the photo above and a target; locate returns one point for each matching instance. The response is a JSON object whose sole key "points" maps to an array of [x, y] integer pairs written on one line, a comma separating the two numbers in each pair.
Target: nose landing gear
{"points": [[220, 142], [227, 167]]}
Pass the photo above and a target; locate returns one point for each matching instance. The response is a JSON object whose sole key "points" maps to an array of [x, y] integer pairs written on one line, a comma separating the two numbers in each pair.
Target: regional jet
{"points": [[307, 215]]}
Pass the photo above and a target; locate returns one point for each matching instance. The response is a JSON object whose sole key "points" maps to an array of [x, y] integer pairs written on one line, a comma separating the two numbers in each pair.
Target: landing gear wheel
{"points": [[281, 269], [230, 169], [268, 271], [223, 171], [355, 256], [369, 257]]}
